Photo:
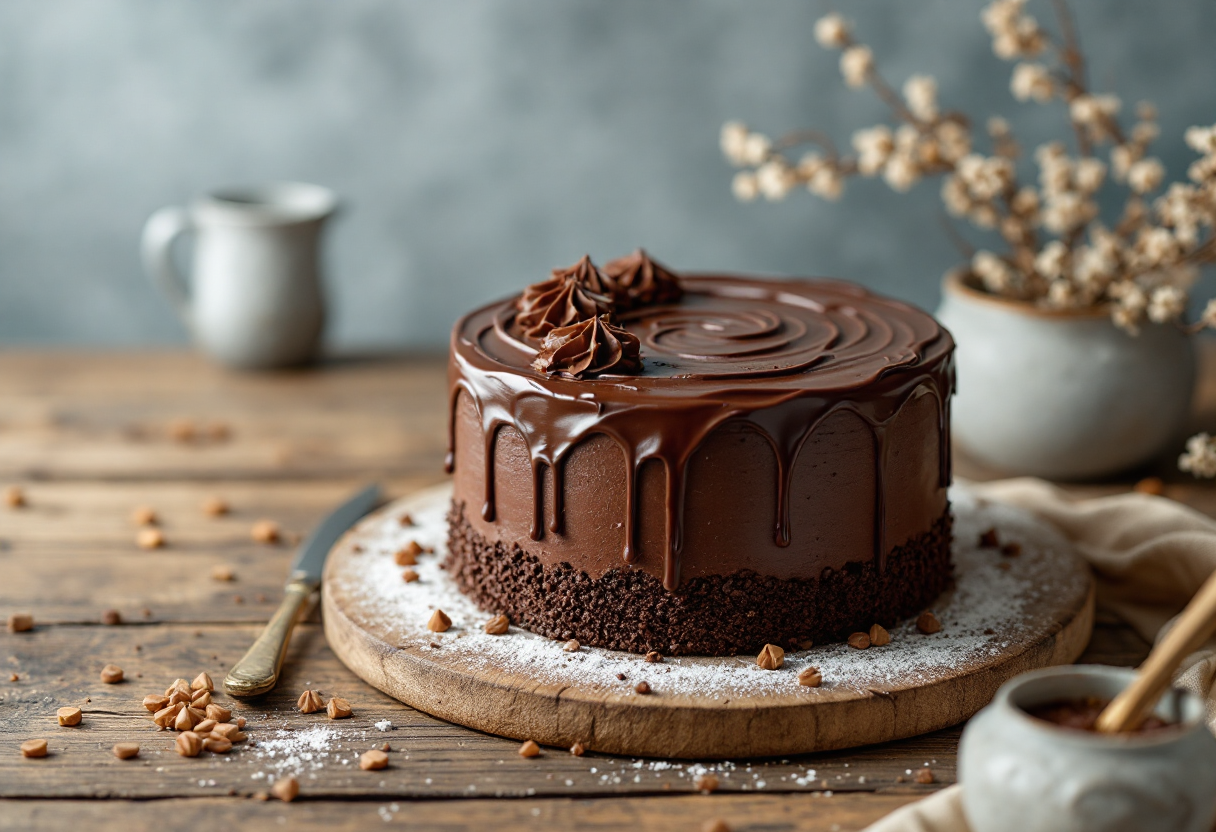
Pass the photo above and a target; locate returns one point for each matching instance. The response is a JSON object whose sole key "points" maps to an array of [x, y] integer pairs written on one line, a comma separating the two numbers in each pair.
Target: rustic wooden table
{"points": [[88, 438]]}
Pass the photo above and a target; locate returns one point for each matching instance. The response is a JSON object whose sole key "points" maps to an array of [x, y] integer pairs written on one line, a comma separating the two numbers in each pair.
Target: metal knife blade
{"points": [[310, 557], [258, 670]]}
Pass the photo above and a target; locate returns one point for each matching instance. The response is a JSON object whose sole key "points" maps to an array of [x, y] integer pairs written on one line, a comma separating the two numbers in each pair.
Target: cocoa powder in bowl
{"points": [[1082, 715]]}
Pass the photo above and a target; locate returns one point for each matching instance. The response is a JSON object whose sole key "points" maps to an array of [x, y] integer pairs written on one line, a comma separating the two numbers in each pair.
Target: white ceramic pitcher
{"points": [[253, 299]]}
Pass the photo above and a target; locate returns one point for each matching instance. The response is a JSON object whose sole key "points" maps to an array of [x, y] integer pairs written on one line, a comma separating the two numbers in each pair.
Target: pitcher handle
{"points": [[160, 232]]}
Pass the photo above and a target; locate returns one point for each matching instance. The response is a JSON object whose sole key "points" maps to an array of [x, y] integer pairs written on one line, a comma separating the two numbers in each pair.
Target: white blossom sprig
{"points": [[1052, 245], [1056, 250], [1200, 456]]}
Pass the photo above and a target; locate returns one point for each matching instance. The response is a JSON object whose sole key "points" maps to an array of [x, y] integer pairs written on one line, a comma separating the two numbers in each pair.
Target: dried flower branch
{"points": [[1056, 251]]}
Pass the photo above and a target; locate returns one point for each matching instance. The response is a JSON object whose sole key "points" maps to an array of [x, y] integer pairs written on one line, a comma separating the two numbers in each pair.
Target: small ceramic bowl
{"points": [[1021, 773]]}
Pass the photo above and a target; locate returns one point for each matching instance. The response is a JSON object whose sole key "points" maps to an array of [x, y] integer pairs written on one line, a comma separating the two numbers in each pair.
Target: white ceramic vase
{"points": [[1062, 395]]}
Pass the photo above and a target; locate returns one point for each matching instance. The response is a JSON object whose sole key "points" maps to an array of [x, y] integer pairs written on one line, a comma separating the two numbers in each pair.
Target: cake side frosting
{"points": [[777, 358]]}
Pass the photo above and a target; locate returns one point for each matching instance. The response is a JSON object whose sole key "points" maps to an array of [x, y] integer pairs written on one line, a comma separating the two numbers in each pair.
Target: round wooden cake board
{"points": [[1005, 615]]}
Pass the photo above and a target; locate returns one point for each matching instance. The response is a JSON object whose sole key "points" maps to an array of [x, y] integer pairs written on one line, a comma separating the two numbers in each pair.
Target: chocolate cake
{"points": [[699, 463]]}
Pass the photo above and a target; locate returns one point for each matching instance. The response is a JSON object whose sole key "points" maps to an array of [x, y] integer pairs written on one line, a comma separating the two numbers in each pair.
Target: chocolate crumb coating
{"points": [[712, 615]]}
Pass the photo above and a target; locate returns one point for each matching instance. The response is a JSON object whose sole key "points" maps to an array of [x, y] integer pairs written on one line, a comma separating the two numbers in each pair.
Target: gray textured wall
{"points": [[480, 142]]}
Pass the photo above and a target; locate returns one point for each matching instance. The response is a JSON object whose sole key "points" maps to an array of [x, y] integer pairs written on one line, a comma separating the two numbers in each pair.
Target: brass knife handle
{"points": [[258, 670]]}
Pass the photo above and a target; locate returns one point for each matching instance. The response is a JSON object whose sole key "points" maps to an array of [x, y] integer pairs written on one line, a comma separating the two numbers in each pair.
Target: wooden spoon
{"points": [[1195, 626]]}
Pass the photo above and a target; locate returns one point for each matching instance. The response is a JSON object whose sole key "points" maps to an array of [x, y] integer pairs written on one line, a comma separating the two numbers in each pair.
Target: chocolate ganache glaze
{"points": [[780, 359]]}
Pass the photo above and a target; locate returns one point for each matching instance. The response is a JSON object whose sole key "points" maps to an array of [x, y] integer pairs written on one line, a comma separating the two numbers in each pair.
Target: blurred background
{"points": [[478, 143]]}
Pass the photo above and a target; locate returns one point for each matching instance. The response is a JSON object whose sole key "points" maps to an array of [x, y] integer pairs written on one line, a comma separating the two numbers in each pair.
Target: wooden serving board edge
{"points": [[664, 726]]}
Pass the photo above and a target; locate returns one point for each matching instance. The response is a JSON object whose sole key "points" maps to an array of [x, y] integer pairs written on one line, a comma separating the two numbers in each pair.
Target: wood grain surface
{"points": [[793, 813], [89, 437]]}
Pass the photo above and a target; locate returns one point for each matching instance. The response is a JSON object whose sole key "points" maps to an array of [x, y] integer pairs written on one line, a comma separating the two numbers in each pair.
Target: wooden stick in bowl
{"points": [[1195, 626]]}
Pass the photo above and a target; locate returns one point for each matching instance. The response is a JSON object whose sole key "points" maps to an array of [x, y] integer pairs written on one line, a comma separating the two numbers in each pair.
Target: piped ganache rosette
{"points": [[699, 464]]}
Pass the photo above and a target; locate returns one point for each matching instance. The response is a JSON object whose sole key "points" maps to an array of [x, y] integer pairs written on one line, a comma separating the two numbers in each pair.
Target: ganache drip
{"points": [[794, 352], [637, 280], [589, 348]]}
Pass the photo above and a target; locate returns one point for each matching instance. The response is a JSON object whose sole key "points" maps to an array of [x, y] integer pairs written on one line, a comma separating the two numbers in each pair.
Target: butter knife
{"points": [[258, 670]]}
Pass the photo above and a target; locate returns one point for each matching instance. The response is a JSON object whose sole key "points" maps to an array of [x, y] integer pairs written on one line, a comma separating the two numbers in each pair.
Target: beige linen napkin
{"points": [[1149, 555]]}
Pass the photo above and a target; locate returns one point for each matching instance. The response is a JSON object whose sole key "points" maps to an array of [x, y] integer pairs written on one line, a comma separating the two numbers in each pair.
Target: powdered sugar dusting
{"points": [[990, 610], [296, 752]]}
